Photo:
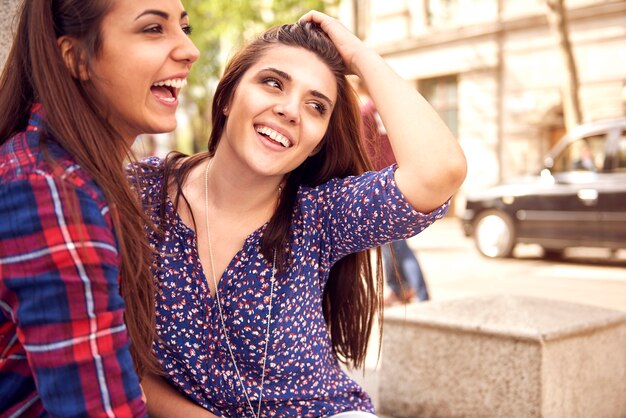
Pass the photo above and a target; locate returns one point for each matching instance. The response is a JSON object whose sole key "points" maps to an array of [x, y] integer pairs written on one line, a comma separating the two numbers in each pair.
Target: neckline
{"points": [[191, 233]]}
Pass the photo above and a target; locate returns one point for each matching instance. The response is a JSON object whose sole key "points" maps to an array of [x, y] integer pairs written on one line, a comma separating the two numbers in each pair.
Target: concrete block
{"points": [[503, 356]]}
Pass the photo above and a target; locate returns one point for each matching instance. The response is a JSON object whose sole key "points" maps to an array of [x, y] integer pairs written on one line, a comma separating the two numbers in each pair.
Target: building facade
{"points": [[495, 72], [7, 13]]}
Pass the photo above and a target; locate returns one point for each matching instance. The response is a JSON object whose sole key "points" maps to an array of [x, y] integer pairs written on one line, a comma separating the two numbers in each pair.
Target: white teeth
{"points": [[281, 139], [177, 83]]}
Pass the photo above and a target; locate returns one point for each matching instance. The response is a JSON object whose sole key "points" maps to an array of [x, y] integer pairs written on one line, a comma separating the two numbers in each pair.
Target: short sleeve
{"points": [[369, 210]]}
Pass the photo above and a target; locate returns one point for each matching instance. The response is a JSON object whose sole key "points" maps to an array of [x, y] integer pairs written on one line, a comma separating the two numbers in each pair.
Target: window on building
{"points": [[440, 12], [458, 12], [442, 94]]}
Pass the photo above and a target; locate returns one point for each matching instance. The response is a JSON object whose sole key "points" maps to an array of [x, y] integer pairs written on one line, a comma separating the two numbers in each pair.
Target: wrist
{"points": [[365, 61]]}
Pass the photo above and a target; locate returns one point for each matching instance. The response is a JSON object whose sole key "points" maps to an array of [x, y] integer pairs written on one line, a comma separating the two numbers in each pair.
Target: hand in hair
{"points": [[431, 164], [348, 44]]}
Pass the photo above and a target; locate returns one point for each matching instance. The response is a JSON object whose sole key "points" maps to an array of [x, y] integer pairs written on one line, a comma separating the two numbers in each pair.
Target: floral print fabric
{"points": [[303, 377]]}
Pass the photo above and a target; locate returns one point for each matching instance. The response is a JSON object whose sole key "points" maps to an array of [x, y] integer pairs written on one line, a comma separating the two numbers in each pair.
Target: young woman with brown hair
{"points": [[82, 80], [264, 283]]}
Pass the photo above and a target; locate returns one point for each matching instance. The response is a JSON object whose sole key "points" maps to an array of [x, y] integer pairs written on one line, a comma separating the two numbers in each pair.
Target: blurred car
{"points": [[577, 200]]}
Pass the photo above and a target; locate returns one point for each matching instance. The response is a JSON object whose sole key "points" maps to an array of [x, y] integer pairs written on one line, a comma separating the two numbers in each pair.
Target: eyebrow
{"points": [[160, 13], [287, 77]]}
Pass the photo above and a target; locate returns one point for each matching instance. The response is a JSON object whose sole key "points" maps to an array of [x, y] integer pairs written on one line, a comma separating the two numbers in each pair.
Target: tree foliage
{"points": [[218, 25]]}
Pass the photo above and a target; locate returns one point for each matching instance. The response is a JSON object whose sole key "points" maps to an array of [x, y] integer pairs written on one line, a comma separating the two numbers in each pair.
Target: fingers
{"points": [[313, 16], [326, 22], [344, 40]]}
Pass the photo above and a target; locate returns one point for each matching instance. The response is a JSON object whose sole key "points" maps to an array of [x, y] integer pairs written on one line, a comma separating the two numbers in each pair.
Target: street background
{"points": [[493, 70], [453, 268]]}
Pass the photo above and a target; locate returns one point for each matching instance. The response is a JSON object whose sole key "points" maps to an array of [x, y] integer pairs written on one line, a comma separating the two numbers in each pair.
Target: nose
{"points": [[288, 109], [185, 50]]}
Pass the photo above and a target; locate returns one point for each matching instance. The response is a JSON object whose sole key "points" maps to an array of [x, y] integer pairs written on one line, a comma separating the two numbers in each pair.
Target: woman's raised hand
{"points": [[349, 45]]}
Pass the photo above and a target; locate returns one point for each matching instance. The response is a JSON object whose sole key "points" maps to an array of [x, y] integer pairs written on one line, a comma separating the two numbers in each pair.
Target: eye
{"points": [[319, 107], [187, 29], [272, 82], [156, 28]]}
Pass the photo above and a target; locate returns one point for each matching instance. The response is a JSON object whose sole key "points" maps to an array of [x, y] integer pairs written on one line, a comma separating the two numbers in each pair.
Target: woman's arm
{"points": [[59, 288], [431, 164], [166, 402]]}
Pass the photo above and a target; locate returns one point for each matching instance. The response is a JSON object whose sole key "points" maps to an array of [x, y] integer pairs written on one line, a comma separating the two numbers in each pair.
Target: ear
{"points": [[68, 49]]}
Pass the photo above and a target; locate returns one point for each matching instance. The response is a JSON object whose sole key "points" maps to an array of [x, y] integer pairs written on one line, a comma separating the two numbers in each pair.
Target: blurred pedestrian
{"points": [[401, 269]]}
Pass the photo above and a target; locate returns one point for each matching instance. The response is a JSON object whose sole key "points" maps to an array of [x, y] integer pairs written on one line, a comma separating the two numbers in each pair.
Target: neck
{"points": [[240, 192]]}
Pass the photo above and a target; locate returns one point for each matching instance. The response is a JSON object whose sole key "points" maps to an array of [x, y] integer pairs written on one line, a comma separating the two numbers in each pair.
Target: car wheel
{"points": [[494, 234], [553, 253]]}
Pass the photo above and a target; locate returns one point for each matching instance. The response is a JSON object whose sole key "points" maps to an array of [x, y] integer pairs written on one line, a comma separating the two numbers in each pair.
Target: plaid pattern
{"points": [[63, 342]]}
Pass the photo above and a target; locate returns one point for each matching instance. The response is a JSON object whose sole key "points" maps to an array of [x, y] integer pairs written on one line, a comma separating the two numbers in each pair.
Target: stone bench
{"points": [[503, 356]]}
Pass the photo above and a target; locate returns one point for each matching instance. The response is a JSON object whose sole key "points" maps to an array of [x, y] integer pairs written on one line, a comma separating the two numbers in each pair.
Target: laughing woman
{"points": [[264, 280], [82, 80]]}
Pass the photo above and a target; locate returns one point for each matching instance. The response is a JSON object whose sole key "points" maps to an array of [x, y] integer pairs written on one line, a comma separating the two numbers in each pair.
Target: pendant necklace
{"points": [[219, 305]]}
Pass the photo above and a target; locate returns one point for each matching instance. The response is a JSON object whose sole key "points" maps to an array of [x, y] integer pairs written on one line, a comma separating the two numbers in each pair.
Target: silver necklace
{"points": [[219, 305]]}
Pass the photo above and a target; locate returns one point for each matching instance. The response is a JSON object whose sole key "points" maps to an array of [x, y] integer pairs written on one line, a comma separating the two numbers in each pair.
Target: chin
{"points": [[162, 128]]}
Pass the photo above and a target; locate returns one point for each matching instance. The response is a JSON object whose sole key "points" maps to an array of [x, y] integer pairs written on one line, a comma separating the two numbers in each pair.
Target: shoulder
{"points": [[343, 184], [146, 168], [146, 176], [22, 155], [25, 159], [355, 193], [150, 168], [340, 189]]}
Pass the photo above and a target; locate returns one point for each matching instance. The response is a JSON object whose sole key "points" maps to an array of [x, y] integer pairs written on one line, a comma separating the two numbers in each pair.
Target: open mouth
{"points": [[167, 90], [274, 136]]}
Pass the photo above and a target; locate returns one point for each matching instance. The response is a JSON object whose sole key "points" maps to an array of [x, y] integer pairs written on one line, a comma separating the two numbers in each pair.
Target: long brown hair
{"points": [[353, 294], [35, 72]]}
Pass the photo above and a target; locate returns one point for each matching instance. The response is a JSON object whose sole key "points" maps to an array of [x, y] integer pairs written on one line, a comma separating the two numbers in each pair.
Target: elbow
{"points": [[437, 180], [457, 172], [451, 178]]}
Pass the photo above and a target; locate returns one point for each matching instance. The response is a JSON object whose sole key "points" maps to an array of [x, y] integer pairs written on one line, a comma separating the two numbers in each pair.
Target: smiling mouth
{"points": [[167, 90], [274, 136]]}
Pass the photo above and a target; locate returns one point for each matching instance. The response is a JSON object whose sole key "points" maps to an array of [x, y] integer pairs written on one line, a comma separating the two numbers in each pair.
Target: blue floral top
{"points": [[302, 376]]}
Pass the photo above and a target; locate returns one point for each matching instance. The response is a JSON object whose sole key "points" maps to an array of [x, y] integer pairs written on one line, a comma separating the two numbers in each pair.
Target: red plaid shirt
{"points": [[63, 342]]}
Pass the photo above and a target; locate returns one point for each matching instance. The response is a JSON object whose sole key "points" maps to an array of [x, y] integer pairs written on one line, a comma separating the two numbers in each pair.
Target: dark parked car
{"points": [[578, 199]]}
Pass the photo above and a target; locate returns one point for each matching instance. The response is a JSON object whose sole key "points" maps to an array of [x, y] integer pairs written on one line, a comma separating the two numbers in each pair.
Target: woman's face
{"points": [[145, 59], [279, 111]]}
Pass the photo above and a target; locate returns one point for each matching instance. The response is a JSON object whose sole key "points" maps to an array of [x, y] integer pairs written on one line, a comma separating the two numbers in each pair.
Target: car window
{"points": [[621, 153], [583, 154]]}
